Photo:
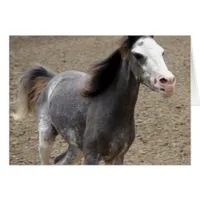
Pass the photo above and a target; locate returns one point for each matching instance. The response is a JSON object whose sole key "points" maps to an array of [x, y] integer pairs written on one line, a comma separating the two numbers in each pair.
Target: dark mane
{"points": [[104, 73]]}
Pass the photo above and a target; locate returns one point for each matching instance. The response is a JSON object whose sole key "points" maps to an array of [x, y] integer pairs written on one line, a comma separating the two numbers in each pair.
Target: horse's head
{"points": [[153, 71]]}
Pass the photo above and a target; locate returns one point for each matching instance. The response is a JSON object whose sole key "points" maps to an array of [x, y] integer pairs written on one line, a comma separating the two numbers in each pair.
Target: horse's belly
{"points": [[69, 119]]}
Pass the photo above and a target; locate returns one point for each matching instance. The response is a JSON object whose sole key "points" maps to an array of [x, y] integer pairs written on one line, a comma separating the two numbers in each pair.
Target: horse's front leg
{"points": [[118, 161], [91, 156], [119, 158]]}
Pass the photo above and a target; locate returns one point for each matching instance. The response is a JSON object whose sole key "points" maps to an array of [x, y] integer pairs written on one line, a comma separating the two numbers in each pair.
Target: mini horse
{"points": [[94, 112]]}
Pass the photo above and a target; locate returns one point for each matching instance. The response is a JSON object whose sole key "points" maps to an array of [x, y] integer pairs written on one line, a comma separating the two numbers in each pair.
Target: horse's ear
{"points": [[133, 39]]}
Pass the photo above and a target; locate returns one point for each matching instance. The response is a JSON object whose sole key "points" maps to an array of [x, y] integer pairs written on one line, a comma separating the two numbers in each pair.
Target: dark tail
{"points": [[31, 85]]}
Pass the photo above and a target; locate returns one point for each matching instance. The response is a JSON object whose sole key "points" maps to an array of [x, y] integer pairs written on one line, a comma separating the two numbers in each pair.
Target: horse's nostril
{"points": [[163, 80]]}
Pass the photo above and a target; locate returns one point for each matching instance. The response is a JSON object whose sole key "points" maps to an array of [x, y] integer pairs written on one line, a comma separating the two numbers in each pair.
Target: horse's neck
{"points": [[127, 84], [124, 94], [120, 98]]}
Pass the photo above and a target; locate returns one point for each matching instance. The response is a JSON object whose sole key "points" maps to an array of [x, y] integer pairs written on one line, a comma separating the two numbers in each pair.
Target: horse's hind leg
{"points": [[71, 156], [60, 157], [47, 135]]}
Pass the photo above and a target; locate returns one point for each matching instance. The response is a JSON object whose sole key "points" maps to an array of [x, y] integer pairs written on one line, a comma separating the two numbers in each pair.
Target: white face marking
{"points": [[153, 65]]}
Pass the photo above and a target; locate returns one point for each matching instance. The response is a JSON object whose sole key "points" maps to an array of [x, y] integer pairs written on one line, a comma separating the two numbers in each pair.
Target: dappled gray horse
{"points": [[94, 112]]}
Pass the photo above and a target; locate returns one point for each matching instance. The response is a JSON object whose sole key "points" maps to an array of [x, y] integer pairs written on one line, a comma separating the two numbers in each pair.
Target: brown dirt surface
{"points": [[162, 125]]}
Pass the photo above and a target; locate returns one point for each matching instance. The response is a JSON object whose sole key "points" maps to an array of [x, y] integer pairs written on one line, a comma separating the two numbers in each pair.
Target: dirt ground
{"points": [[162, 125]]}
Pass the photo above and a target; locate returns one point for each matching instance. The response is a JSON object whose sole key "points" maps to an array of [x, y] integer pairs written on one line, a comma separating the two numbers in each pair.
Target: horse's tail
{"points": [[31, 85]]}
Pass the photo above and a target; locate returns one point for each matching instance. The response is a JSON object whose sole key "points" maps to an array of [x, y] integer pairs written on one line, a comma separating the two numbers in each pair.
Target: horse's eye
{"points": [[163, 53], [138, 56]]}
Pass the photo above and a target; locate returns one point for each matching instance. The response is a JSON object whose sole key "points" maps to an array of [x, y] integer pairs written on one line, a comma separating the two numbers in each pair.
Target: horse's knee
{"points": [[45, 142]]}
